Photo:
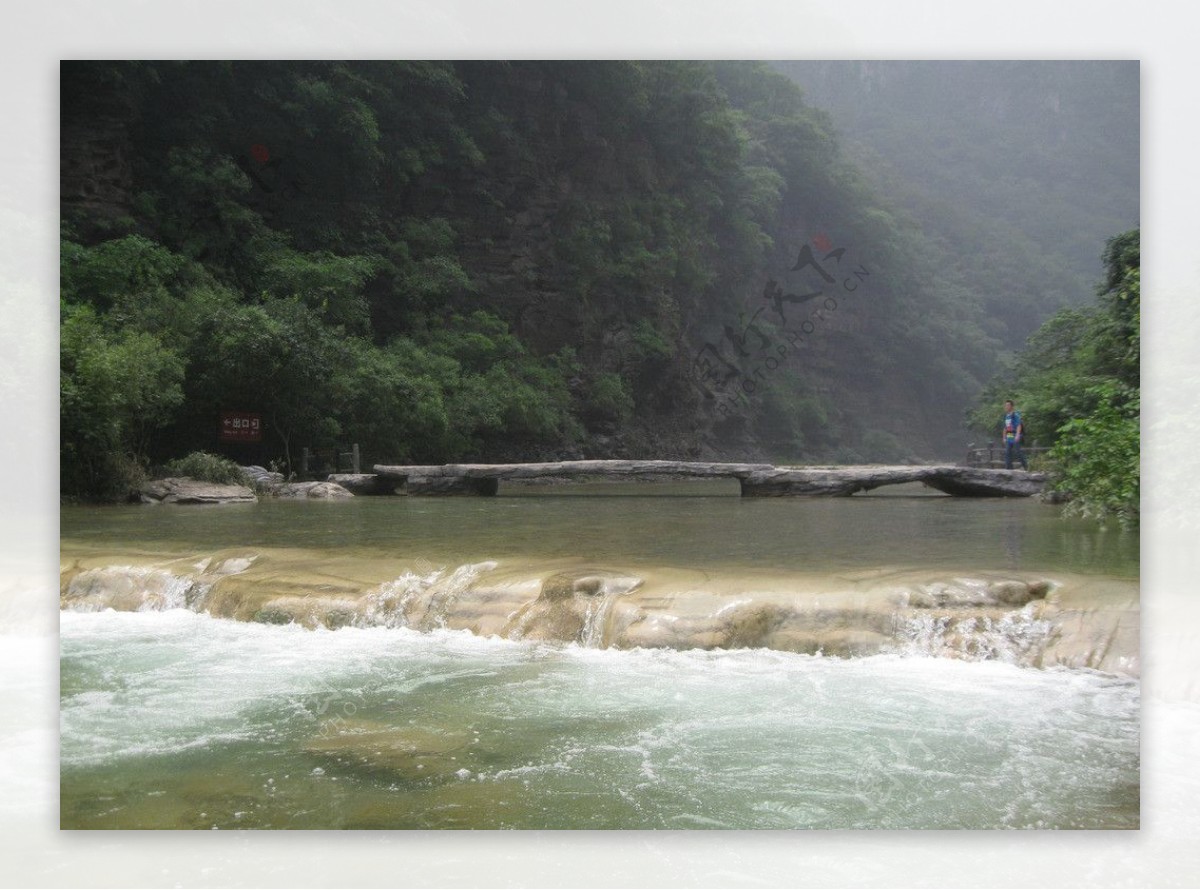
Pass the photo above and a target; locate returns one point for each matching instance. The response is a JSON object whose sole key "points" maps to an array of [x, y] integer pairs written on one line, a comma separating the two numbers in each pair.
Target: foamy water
{"points": [[172, 718], [177, 719]]}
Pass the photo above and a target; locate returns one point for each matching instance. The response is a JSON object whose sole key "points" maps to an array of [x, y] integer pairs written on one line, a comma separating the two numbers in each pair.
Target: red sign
{"points": [[238, 426]]}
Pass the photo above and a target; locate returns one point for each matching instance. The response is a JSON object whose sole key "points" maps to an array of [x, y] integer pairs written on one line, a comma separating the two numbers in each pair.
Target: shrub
{"points": [[207, 467], [1097, 459], [115, 390], [607, 400]]}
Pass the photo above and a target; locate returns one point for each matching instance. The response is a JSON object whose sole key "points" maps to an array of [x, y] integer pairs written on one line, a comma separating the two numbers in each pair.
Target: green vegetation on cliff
{"points": [[485, 260], [1078, 384]]}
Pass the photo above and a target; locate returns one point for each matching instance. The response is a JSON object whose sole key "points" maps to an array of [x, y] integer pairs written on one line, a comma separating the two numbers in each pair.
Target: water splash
{"points": [[736, 739], [422, 602], [1018, 636], [595, 620], [389, 605], [973, 619], [131, 589]]}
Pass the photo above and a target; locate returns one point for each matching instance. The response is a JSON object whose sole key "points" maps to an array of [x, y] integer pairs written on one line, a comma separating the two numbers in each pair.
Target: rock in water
{"points": [[573, 606], [262, 476], [362, 483], [312, 490], [184, 490], [406, 751]]}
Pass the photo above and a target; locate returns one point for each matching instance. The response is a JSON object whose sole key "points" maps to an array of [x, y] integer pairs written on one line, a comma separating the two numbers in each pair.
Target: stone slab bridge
{"points": [[757, 480]]}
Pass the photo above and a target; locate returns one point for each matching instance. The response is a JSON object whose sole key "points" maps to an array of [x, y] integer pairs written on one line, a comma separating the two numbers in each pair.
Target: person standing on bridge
{"points": [[1014, 431]]}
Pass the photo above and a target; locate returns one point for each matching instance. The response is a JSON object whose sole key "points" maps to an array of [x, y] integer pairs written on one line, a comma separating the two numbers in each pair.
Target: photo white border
{"points": [[1162, 35]]}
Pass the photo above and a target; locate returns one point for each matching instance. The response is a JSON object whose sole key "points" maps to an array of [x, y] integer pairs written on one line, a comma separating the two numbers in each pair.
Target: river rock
{"points": [[574, 606], [588, 582], [407, 751], [1078, 621], [967, 593], [363, 483], [310, 611], [261, 475], [185, 490], [845, 481], [835, 624], [978, 482], [125, 589], [312, 490]]}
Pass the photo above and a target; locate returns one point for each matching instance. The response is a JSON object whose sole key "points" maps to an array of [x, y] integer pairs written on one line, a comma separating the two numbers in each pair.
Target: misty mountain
{"points": [[1018, 172]]}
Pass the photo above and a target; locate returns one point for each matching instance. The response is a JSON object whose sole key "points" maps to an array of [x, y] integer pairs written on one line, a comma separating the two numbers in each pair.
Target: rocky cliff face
{"points": [[614, 210], [95, 149]]}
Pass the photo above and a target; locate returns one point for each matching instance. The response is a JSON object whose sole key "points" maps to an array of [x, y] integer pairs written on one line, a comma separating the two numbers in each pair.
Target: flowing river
{"points": [[610, 656]]}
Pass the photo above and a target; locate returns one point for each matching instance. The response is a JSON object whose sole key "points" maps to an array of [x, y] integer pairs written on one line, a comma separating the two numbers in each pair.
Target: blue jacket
{"points": [[1012, 423]]}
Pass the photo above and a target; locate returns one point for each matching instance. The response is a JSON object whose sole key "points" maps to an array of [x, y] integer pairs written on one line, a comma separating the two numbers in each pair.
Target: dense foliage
{"points": [[483, 260], [1077, 385], [207, 468]]}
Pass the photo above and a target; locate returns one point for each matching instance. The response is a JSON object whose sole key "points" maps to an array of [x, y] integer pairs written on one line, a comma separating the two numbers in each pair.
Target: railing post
{"points": [[354, 452]]}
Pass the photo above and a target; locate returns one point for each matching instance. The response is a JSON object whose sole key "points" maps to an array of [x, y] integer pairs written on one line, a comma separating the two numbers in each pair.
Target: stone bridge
{"points": [[757, 480]]}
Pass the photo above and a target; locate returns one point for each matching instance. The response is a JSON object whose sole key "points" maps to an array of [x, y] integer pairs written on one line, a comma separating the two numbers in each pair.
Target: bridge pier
{"points": [[452, 485]]}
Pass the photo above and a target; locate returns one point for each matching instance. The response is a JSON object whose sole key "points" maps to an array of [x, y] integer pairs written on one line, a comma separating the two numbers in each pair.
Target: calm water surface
{"points": [[686, 525]]}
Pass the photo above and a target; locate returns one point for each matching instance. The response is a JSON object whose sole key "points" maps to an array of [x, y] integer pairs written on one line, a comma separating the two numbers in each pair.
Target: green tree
{"points": [[115, 390], [277, 359], [1078, 384], [1097, 457]]}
